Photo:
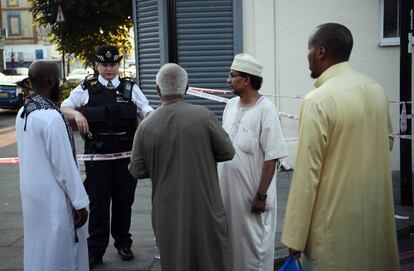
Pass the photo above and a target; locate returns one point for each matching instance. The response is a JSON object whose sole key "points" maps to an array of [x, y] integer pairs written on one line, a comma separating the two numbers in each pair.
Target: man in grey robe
{"points": [[177, 146]]}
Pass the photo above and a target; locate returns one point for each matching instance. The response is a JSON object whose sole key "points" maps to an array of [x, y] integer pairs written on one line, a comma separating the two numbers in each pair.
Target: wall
{"points": [[277, 32], [22, 9]]}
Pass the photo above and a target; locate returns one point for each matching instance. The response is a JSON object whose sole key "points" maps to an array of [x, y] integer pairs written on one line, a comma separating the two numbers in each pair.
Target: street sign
{"points": [[39, 54], [59, 18]]}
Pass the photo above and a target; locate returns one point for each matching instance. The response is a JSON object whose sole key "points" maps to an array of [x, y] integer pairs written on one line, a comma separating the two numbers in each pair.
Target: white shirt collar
{"points": [[114, 81]]}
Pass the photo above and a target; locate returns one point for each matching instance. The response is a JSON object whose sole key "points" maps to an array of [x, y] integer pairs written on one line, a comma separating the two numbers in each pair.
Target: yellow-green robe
{"points": [[340, 211]]}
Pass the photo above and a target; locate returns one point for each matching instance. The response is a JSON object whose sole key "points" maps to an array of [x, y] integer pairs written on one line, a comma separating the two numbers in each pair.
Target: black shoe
{"points": [[126, 254], [94, 261]]}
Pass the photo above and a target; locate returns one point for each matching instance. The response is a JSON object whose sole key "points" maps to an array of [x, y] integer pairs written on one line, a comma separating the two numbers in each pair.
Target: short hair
{"points": [[172, 80], [42, 70], [256, 81], [336, 38]]}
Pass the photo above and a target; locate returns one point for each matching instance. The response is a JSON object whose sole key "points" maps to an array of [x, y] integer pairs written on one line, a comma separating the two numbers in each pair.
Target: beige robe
{"points": [[340, 210], [177, 146]]}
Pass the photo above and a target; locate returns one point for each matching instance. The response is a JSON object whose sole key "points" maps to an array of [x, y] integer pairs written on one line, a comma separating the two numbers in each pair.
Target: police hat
{"points": [[108, 54]]}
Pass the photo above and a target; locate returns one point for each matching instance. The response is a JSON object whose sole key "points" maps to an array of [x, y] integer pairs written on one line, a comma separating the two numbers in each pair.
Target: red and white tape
{"points": [[212, 91], [80, 157], [291, 140], [103, 157], [228, 92], [207, 96], [10, 160], [203, 93]]}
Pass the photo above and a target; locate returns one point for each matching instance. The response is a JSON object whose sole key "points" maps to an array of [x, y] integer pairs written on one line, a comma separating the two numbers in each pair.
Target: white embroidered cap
{"points": [[248, 64]]}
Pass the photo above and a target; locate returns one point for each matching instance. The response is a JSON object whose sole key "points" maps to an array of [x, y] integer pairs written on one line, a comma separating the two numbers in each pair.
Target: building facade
{"points": [[203, 36], [24, 41]]}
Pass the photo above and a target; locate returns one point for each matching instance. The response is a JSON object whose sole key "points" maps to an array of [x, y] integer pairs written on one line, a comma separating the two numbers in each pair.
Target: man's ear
{"points": [[157, 88], [51, 81], [247, 80], [322, 52]]}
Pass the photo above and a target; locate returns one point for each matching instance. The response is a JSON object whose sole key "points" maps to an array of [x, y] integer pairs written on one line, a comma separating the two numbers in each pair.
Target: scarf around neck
{"points": [[35, 101]]}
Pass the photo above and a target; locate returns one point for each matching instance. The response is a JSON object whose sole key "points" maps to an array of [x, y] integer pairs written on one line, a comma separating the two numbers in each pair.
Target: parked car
{"points": [[16, 74], [78, 75], [11, 95]]}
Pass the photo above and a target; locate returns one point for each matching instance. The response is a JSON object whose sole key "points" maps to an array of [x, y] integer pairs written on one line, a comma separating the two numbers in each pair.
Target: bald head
{"points": [[41, 71], [44, 77], [336, 38], [172, 80]]}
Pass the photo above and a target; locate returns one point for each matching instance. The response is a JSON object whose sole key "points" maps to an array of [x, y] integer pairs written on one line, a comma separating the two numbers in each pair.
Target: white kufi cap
{"points": [[248, 64]]}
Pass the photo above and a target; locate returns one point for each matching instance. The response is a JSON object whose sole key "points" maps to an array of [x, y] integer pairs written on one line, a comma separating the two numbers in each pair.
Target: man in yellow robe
{"points": [[340, 212]]}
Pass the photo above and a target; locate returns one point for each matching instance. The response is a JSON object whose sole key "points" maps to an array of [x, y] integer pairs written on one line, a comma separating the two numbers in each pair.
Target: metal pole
{"points": [[63, 66], [406, 29]]}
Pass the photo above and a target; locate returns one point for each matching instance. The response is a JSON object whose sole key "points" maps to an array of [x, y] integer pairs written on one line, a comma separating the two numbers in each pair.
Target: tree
{"points": [[88, 24]]}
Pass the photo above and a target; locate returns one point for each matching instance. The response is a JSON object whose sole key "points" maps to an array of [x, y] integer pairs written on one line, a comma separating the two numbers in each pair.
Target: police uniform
{"points": [[112, 112]]}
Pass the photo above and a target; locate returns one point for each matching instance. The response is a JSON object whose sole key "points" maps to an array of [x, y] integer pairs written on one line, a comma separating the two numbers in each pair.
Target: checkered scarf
{"points": [[36, 101]]}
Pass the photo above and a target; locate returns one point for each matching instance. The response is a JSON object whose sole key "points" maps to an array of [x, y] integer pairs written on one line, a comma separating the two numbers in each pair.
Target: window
{"points": [[390, 22], [12, 3], [14, 24]]}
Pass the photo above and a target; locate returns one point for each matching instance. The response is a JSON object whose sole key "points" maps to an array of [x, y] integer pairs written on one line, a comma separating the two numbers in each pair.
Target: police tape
{"points": [[402, 136], [212, 91], [207, 96], [196, 92], [103, 157], [228, 92], [122, 155], [288, 116], [80, 157], [291, 140]]}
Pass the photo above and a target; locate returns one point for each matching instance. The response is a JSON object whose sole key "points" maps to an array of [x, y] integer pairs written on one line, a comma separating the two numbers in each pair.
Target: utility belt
{"points": [[107, 142]]}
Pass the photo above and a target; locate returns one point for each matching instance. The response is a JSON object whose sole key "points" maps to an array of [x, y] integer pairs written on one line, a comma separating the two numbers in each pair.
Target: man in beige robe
{"points": [[340, 210], [178, 146]]}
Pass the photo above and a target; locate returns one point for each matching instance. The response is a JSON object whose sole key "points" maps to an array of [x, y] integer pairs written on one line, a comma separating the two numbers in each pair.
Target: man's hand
{"points": [[258, 206], [81, 122], [294, 253], [80, 216]]}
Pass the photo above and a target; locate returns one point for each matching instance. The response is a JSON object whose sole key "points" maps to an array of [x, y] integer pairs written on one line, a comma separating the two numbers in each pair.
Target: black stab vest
{"points": [[110, 111]]}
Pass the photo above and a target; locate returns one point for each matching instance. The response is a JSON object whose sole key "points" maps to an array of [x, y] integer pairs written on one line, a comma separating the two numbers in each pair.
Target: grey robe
{"points": [[178, 146]]}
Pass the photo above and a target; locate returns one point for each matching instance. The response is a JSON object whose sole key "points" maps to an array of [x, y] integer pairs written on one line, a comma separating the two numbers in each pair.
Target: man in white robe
{"points": [[53, 196], [248, 182]]}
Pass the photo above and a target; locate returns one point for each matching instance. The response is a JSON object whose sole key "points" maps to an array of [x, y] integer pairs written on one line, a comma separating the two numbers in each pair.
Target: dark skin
{"points": [[44, 77], [242, 87]]}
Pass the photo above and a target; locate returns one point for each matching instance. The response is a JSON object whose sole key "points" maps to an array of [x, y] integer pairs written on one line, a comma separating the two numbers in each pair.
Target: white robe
{"points": [[257, 137], [50, 184]]}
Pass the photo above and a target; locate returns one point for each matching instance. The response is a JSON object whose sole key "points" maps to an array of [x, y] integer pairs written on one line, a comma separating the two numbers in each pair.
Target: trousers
{"points": [[106, 182]]}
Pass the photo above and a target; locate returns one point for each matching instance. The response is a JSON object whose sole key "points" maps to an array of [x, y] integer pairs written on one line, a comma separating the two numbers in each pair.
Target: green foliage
{"points": [[88, 24], [65, 89]]}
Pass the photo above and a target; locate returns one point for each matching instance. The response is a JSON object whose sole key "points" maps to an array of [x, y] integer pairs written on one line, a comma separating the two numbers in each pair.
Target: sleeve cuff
{"points": [[79, 204], [145, 110], [67, 103], [275, 155]]}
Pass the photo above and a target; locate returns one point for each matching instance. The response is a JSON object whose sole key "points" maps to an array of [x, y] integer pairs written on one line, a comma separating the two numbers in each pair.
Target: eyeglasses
{"points": [[232, 75]]}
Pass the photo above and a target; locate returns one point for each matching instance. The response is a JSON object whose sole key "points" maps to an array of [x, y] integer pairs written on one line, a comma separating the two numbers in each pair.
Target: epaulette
{"points": [[128, 79], [128, 83], [90, 81]]}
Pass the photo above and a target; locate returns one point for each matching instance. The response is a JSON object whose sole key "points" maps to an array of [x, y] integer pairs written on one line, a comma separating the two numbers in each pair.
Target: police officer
{"points": [[106, 109]]}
